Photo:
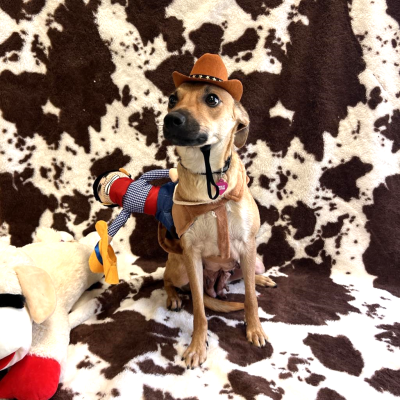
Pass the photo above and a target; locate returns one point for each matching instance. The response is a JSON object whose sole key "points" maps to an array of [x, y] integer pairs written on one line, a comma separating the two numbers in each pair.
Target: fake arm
{"points": [[155, 174], [118, 222]]}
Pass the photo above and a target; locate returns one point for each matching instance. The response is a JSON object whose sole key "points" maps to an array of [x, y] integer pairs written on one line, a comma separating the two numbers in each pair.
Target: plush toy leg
{"points": [[103, 258], [32, 378]]}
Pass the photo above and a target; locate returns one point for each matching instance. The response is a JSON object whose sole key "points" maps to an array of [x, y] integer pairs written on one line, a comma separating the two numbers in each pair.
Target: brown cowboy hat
{"points": [[211, 69]]}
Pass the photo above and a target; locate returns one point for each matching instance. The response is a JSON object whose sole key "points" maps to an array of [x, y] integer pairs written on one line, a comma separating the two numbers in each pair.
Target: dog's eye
{"points": [[212, 100], [172, 101]]}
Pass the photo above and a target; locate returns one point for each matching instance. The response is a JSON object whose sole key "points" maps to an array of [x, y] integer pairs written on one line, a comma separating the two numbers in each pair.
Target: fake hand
{"points": [[32, 378], [173, 174]]}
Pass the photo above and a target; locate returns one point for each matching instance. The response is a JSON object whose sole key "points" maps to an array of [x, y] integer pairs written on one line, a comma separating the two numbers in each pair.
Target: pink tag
{"points": [[223, 185]]}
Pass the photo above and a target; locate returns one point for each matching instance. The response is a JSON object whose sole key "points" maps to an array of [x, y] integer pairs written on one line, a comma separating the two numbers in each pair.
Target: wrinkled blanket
{"points": [[83, 89]]}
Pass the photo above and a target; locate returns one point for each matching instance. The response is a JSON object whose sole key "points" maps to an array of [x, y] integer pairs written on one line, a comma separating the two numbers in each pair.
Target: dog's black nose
{"points": [[174, 120]]}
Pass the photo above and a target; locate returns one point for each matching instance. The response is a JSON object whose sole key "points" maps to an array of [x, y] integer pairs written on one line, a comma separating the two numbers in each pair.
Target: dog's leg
{"points": [[255, 333], [174, 276], [196, 353]]}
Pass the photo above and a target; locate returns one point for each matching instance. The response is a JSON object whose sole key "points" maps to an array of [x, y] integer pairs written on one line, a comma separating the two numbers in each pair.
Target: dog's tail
{"points": [[220, 305]]}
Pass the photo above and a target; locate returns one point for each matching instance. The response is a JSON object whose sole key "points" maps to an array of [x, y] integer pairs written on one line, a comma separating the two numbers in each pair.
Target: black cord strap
{"points": [[210, 180]]}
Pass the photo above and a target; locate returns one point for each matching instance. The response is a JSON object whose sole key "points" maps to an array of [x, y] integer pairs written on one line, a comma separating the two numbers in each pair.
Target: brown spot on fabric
{"points": [[315, 379], [293, 362], [148, 287], [149, 265], [307, 296], [285, 375], [283, 180], [264, 181], [393, 9], [375, 98], [372, 309], [155, 394], [21, 100], [12, 43], [233, 341], [117, 159], [268, 214], [150, 20], [392, 334], [324, 60], [248, 41], [329, 394], [15, 194], [77, 204], [111, 299], [85, 364], [103, 215], [314, 248], [144, 242], [126, 96], [390, 130], [302, 218], [386, 380], [249, 386], [60, 222], [159, 76], [145, 123], [206, 39], [115, 392], [82, 102], [342, 180], [18, 9], [273, 48], [257, 8], [64, 394], [143, 337], [332, 229], [277, 250], [149, 367], [336, 353], [382, 256], [262, 93]]}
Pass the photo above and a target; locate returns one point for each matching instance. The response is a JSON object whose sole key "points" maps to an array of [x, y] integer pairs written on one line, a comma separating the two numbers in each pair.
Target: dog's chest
{"points": [[203, 234]]}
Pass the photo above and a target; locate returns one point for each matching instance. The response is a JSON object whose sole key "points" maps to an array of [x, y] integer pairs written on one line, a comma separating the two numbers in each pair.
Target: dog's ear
{"points": [[39, 292], [242, 130]]}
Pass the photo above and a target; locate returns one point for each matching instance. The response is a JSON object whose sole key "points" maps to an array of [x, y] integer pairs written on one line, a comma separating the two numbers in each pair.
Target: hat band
{"points": [[209, 77]]}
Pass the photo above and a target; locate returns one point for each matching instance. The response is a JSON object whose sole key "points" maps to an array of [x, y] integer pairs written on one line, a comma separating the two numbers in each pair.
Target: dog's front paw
{"points": [[195, 354], [256, 335], [174, 302], [264, 281]]}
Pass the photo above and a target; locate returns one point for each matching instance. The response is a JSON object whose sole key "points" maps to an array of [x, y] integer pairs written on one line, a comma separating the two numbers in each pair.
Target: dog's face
{"points": [[203, 114]]}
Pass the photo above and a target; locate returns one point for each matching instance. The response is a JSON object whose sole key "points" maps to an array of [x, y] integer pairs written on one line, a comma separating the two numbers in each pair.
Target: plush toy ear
{"points": [[39, 292], [242, 129]]}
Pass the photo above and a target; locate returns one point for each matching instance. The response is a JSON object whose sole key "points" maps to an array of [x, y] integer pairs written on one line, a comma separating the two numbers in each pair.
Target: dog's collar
{"points": [[220, 171], [209, 173]]}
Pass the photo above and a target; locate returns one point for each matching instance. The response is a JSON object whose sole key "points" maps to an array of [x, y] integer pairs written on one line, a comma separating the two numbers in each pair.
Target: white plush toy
{"points": [[39, 284]]}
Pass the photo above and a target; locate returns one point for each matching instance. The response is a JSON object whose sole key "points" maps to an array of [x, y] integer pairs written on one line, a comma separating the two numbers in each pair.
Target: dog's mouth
{"points": [[181, 129], [186, 140]]}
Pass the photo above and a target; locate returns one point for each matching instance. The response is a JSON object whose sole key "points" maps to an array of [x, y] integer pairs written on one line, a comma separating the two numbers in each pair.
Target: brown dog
{"points": [[202, 114]]}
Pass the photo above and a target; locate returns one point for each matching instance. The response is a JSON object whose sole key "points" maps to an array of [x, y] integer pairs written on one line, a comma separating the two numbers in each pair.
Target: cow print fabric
{"points": [[83, 89]]}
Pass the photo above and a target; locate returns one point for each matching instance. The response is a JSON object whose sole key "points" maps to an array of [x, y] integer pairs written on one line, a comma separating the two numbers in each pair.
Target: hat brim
{"points": [[234, 87]]}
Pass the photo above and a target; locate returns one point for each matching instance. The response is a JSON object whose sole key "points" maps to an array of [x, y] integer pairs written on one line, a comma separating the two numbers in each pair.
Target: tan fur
{"points": [[200, 240]]}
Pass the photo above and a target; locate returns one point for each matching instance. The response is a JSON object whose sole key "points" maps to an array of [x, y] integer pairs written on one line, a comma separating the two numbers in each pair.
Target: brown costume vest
{"points": [[185, 215]]}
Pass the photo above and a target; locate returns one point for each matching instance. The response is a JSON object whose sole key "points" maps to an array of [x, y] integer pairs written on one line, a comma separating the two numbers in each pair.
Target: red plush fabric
{"points": [[150, 206], [5, 361], [118, 190], [32, 378]]}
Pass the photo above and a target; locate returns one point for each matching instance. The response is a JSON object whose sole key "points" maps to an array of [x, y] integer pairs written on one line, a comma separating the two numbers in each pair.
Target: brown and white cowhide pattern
{"points": [[83, 88]]}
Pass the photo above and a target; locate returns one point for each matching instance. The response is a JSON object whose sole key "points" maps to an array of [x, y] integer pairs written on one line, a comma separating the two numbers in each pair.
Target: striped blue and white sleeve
{"points": [[155, 174], [118, 222]]}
